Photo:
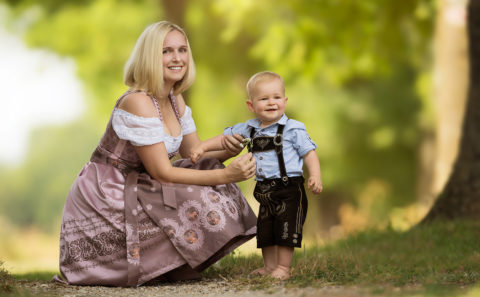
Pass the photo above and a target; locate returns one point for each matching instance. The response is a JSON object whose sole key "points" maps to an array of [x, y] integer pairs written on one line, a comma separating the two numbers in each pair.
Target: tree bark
{"points": [[175, 11], [450, 88], [460, 197]]}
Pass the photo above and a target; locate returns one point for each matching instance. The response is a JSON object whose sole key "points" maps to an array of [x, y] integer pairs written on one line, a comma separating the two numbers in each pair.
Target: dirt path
{"points": [[205, 288]]}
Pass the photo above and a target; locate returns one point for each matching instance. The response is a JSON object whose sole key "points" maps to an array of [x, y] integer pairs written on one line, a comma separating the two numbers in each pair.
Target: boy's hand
{"points": [[315, 184], [196, 154]]}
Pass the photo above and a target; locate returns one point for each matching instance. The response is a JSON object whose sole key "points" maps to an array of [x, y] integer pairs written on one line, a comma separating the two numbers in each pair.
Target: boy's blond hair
{"points": [[144, 69], [260, 77]]}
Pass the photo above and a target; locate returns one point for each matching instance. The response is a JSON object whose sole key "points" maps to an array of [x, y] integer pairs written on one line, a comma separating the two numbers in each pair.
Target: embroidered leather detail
{"points": [[263, 142]]}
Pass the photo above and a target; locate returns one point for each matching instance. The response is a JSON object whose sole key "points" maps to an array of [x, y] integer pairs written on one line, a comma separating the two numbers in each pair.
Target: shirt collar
{"points": [[255, 123]]}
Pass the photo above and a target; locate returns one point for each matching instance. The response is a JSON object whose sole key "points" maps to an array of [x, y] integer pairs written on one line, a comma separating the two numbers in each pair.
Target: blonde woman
{"points": [[133, 216]]}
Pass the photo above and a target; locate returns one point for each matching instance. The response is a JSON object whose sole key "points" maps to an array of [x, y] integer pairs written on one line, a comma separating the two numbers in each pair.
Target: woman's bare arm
{"points": [[156, 162], [155, 157]]}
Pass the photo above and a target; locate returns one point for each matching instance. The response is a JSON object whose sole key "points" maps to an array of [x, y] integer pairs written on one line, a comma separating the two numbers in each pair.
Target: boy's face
{"points": [[268, 101]]}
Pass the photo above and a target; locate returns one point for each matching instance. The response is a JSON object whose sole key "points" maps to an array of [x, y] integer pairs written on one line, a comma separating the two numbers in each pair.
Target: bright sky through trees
{"points": [[38, 88]]}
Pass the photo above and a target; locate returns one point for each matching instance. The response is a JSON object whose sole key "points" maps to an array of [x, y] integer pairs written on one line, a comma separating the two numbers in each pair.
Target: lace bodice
{"points": [[124, 130], [146, 131]]}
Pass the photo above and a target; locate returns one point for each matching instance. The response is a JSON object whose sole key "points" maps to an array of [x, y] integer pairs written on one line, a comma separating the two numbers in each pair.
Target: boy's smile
{"points": [[268, 101]]}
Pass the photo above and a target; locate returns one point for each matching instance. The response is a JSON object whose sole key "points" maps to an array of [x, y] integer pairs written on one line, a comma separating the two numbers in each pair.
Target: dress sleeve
{"points": [[187, 122], [138, 130]]}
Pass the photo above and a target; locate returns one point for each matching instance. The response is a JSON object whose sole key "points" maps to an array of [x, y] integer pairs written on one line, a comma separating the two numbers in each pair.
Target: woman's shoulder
{"points": [[139, 104]]}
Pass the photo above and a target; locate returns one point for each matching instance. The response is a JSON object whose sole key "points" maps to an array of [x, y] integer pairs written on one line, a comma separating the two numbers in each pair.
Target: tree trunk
{"points": [[450, 88], [175, 11], [460, 197]]}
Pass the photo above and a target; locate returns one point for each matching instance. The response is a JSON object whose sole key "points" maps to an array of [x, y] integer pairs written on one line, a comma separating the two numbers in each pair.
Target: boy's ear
{"points": [[286, 99], [249, 105]]}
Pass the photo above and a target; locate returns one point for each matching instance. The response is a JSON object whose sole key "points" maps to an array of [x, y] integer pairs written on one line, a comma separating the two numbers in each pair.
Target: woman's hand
{"points": [[242, 168], [233, 143]]}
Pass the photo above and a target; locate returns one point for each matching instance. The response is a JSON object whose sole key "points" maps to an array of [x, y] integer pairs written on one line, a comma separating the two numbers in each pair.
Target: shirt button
{"points": [[261, 158], [260, 169]]}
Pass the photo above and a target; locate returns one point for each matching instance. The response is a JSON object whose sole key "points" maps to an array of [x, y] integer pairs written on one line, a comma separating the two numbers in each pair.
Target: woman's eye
{"points": [[165, 51], [183, 50]]}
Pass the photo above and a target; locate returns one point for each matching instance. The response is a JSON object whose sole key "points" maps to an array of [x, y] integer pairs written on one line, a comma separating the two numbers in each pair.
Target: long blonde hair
{"points": [[144, 69]]}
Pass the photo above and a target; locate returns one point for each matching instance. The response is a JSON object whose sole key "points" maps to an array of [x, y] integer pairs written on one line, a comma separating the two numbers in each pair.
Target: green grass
{"points": [[9, 287], [5, 280], [35, 276], [437, 257]]}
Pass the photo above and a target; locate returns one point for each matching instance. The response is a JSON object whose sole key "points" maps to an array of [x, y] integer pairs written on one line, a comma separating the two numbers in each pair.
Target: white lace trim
{"points": [[143, 131], [187, 123], [146, 131], [138, 130]]}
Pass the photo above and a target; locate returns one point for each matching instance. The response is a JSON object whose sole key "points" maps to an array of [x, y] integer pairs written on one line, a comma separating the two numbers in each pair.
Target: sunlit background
{"points": [[361, 75]]}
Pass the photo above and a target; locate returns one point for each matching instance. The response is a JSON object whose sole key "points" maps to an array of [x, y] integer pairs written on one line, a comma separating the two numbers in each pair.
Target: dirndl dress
{"points": [[120, 227]]}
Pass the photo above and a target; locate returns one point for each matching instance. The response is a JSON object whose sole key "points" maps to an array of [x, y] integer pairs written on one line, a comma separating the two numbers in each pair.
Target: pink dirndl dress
{"points": [[121, 227]]}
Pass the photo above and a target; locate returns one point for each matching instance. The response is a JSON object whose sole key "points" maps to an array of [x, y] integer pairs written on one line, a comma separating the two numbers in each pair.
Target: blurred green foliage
{"points": [[354, 71]]}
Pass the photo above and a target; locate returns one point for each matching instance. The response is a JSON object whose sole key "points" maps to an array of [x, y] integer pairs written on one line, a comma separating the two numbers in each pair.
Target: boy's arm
{"points": [[211, 144], [315, 177], [232, 146]]}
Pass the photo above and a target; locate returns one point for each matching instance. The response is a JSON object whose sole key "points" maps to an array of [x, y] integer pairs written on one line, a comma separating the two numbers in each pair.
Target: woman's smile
{"points": [[175, 56]]}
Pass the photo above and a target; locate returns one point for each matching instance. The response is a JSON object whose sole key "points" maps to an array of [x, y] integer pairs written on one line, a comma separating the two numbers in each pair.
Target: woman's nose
{"points": [[176, 56]]}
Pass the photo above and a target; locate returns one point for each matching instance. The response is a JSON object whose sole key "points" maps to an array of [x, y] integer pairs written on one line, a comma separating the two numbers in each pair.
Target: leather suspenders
{"points": [[267, 143]]}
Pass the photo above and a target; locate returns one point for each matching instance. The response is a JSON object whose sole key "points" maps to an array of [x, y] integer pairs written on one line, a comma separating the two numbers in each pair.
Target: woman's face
{"points": [[175, 56]]}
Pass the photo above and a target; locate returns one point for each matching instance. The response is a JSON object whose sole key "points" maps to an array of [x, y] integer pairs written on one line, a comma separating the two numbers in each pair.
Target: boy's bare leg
{"points": [[285, 255], [269, 254]]}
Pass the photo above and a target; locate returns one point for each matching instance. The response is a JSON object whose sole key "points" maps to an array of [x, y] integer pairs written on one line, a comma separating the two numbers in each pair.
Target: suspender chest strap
{"points": [[267, 143]]}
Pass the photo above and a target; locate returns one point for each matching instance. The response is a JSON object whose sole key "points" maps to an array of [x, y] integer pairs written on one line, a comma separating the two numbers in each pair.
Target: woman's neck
{"points": [[167, 87]]}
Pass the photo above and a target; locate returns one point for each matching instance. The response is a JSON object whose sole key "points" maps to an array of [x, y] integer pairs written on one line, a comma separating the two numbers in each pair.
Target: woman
{"points": [[131, 216]]}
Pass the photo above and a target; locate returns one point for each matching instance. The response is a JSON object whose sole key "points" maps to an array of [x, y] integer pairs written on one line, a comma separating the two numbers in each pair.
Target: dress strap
{"points": [[173, 100], [155, 102], [175, 109], [131, 225]]}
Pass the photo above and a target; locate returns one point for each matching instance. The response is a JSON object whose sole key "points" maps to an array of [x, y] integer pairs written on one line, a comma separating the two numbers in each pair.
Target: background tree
{"points": [[461, 196], [450, 82]]}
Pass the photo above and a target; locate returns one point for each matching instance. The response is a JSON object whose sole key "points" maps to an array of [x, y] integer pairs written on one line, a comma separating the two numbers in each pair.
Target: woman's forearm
{"points": [[155, 159], [193, 176], [222, 155]]}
